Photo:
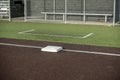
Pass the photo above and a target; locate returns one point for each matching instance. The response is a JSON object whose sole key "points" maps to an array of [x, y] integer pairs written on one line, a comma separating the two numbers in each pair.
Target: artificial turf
{"points": [[103, 35]]}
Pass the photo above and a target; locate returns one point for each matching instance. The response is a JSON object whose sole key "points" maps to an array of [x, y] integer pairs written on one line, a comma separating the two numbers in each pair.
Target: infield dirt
{"points": [[18, 63]]}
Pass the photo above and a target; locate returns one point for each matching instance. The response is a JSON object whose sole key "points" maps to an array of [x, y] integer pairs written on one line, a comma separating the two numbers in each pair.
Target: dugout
{"points": [[106, 11], [11, 9]]}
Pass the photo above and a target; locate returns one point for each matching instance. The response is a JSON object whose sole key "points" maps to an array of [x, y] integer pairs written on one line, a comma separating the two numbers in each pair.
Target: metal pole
{"points": [[54, 6], [9, 10], [25, 10], [45, 15], [84, 11], [114, 12], [65, 15]]}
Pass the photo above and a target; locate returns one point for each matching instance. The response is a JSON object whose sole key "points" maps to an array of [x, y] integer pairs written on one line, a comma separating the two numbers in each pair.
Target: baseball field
{"points": [[64, 33], [89, 52]]}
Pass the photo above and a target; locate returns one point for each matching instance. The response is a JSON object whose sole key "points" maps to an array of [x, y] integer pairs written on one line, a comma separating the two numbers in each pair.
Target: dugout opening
{"points": [[11, 9], [17, 8]]}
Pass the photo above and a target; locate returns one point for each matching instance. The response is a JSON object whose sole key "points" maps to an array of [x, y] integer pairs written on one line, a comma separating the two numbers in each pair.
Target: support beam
{"points": [[9, 10], [25, 10], [84, 10], [45, 17], [105, 19], [54, 8], [114, 12], [65, 15]]}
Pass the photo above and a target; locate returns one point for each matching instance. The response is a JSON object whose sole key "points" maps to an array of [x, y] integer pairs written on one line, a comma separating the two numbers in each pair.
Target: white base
{"points": [[52, 49]]}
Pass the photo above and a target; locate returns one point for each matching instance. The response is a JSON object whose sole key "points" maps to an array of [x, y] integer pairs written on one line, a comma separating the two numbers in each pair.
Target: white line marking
{"points": [[88, 35], [67, 50], [26, 31], [52, 35], [90, 52], [18, 45]]}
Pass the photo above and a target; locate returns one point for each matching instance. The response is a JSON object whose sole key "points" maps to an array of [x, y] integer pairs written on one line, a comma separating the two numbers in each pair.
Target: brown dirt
{"points": [[31, 64]]}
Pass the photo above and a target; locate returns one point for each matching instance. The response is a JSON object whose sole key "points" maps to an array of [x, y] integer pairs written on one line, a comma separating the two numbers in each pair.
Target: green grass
{"points": [[103, 35]]}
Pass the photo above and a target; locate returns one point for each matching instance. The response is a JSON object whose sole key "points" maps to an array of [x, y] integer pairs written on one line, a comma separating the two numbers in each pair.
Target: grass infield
{"points": [[102, 35]]}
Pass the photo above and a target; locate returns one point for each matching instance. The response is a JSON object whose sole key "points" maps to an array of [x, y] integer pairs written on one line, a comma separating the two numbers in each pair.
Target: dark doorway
{"points": [[17, 8]]}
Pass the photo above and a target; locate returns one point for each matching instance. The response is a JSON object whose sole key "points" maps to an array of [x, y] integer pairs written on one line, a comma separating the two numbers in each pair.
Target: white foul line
{"points": [[19, 45], [52, 35], [67, 50], [90, 52], [26, 31], [87, 35]]}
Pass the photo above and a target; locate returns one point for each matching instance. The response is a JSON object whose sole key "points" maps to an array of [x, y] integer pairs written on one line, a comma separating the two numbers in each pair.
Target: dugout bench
{"points": [[78, 14]]}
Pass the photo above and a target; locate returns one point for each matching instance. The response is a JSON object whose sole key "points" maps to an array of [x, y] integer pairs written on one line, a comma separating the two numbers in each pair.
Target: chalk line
{"points": [[22, 32], [66, 50], [88, 35], [53, 35], [19, 45]]}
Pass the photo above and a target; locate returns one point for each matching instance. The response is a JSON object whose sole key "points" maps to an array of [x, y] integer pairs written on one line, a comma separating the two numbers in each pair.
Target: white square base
{"points": [[52, 49]]}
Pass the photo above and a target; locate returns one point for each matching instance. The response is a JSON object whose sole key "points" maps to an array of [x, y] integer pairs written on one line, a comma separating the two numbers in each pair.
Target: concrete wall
{"points": [[35, 7], [99, 7], [75, 6]]}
